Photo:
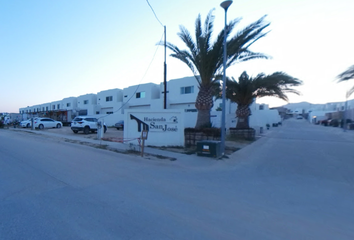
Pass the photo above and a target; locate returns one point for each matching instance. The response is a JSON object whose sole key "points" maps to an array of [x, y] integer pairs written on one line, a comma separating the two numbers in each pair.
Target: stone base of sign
{"points": [[246, 134], [192, 136]]}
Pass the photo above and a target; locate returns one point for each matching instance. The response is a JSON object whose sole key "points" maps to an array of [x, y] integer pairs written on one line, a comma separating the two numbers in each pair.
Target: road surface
{"points": [[297, 182]]}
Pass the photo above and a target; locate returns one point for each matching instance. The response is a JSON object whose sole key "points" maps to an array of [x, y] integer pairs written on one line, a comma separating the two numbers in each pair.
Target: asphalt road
{"points": [[297, 182]]}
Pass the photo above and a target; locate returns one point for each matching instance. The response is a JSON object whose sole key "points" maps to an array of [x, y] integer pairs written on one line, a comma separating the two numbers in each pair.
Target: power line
{"points": [[125, 103], [154, 13]]}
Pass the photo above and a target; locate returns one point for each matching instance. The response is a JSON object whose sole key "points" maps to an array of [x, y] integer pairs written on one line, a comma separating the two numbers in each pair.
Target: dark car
{"points": [[325, 122], [119, 125], [333, 122]]}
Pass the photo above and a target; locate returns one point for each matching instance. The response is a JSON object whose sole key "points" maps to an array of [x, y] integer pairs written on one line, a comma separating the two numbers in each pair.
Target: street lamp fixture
{"points": [[225, 5]]}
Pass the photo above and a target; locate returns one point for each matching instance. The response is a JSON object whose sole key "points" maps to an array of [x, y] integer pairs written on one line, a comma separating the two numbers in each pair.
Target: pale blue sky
{"points": [[50, 50]]}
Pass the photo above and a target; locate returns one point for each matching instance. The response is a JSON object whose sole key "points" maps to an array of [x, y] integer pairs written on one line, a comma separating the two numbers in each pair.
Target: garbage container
{"points": [[209, 148]]}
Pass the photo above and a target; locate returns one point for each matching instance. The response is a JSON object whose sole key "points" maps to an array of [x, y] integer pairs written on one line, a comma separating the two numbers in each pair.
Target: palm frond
{"points": [[246, 89], [350, 92], [346, 75]]}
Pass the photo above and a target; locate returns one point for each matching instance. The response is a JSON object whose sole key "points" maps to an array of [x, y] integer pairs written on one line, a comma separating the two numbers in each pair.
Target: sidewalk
{"points": [[181, 159]]}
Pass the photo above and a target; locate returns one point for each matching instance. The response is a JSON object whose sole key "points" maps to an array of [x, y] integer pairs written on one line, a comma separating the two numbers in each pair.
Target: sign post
{"points": [[144, 135]]}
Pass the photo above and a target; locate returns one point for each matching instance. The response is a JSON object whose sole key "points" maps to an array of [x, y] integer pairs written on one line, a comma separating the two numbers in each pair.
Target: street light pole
{"points": [[225, 5], [345, 113]]}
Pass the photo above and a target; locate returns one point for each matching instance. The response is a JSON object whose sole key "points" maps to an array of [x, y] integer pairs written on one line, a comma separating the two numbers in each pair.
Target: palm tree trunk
{"points": [[204, 103], [203, 119], [242, 113]]}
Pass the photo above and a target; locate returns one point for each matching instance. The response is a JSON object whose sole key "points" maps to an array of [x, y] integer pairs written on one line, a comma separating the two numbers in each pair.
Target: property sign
{"points": [[165, 127]]}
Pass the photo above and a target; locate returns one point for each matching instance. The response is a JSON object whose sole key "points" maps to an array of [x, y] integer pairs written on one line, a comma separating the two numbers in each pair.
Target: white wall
{"points": [[174, 95], [91, 104], [151, 91], [116, 94], [55, 104], [71, 101]]}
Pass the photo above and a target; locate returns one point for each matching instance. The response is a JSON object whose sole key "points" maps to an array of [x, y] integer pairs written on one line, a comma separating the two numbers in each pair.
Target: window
{"points": [[97, 112], [109, 99], [261, 107], [53, 107], [58, 106], [140, 95], [68, 104], [187, 90], [46, 108], [85, 101], [109, 112]]}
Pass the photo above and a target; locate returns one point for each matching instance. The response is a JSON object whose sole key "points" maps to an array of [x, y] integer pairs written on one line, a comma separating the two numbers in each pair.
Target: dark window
{"points": [[109, 99], [140, 95], [187, 90]]}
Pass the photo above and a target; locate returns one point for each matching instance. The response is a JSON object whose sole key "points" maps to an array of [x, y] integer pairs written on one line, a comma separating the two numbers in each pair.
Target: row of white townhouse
{"points": [[110, 104]]}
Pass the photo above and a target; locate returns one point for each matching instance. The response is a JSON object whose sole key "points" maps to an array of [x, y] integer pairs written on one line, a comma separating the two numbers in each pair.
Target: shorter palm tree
{"points": [[246, 90], [345, 76]]}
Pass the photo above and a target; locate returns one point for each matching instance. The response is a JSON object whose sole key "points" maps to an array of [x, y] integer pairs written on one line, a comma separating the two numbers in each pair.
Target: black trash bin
{"points": [[209, 148]]}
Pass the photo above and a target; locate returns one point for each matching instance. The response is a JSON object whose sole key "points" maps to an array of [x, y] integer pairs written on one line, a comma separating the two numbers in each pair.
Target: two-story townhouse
{"points": [[144, 96], [68, 109], [87, 104], [109, 101], [181, 93], [69, 104]]}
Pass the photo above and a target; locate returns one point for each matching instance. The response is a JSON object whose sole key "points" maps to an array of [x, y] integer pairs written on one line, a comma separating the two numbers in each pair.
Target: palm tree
{"points": [[345, 76], [205, 57], [246, 90]]}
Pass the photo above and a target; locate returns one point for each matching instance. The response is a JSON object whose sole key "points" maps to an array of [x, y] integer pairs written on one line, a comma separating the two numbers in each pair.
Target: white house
{"points": [[110, 106], [144, 96], [110, 101], [55, 106], [87, 104], [181, 93]]}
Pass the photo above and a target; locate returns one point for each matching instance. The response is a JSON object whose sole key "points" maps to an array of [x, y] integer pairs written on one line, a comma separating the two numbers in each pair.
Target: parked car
{"points": [[86, 124], [299, 117], [119, 125], [41, 123], [325, 122], [334, 122], [26, 123]]}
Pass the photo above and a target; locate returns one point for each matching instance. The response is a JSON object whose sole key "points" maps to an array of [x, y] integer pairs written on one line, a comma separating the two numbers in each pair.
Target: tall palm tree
{"points": [[246, 90], [345, 76], [205, 57]]}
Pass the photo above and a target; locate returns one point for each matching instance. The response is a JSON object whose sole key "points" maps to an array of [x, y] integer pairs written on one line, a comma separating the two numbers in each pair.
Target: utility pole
{"points": [[165, 75]]}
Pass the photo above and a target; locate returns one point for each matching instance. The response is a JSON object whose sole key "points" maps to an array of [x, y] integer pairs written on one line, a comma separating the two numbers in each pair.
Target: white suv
{"points": [[85, 124]]}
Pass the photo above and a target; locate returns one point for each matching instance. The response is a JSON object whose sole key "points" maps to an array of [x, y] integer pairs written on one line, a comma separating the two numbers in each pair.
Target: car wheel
{"points": [[117, 128], [28, 125], [86, 130], [40, 126], [105, 129], [58, 125], [75, 131]]}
